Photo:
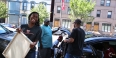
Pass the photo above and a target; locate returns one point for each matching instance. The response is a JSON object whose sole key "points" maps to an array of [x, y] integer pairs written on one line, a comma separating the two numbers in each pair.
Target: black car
{"points": [[5, 37], [93, 46], [88, 34]]}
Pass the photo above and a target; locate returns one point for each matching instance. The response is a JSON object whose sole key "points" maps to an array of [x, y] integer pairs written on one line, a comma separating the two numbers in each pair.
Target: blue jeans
{"points": [[31, 54], [71, 56]]}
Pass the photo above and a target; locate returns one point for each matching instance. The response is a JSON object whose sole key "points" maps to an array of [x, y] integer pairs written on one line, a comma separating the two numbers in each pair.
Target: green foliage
{"points": [[3, 10], [81, 9], [41, 9]]}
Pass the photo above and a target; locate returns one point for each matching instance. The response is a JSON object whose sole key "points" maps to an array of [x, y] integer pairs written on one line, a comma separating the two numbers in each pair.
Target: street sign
{"points": [[18, 47]]}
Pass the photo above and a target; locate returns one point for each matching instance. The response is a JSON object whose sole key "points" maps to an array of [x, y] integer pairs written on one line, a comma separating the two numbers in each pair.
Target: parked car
{"points": [[114, 35], [88, 34], [6, 25], [9, 27], [56, 34], [93, 46], [5, 37]]}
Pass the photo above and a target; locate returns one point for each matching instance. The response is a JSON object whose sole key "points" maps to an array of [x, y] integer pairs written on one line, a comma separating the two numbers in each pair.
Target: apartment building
{"points": [[25, 8], [18, 11], [104, 16], [105, 19], [61, 16]]}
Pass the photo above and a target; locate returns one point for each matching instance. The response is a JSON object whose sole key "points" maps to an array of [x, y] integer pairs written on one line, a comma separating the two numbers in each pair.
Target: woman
{"points": [[33, 31]]}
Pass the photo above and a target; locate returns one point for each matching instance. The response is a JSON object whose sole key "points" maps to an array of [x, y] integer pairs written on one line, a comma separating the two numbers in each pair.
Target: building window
{"points": [[108, 2], [32, 4], [67, 0], [44, 3], [24, 20], [24, 6], [68, 10], [106, 27], [58, 9], [14, 7], [66, 23], [102, 2], [109, 14], [115, 28], [98, 13]]}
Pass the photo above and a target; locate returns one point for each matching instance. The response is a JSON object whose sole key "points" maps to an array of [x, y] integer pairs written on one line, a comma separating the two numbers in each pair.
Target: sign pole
{"points": [[52, 12]]}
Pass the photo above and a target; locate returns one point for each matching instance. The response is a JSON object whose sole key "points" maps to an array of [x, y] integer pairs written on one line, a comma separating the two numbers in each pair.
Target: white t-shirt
{"points": [[55, 43]]}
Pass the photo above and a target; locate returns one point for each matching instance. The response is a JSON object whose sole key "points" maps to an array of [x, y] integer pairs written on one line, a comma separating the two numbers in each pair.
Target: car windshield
{"points": [[6, 25], [2, 30]]}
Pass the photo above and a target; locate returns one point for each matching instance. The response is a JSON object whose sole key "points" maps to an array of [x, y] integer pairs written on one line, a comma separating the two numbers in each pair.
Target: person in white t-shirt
{"points": [[55, 44]]}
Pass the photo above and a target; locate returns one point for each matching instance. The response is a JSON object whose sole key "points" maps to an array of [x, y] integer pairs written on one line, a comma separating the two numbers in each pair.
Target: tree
{"points": [[3, 10], [81, 9], [41, 9]]}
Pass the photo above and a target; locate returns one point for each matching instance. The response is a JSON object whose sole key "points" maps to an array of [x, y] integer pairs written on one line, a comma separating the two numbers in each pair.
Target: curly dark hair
{"points": [[38, 22]]}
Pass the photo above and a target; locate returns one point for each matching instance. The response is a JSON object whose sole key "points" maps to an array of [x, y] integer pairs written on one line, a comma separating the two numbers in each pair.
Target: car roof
{"points": [[99, 39]]}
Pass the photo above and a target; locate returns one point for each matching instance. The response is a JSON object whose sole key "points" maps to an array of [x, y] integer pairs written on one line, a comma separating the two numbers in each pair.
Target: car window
{"points": [[2, 30], [112, 42], [88, 52], [114, 35], [86, 46], [99, 47]]}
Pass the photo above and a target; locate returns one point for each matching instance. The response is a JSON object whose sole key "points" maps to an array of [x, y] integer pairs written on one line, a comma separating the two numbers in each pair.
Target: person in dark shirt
{"points": [[75, 41], [33, 31]]}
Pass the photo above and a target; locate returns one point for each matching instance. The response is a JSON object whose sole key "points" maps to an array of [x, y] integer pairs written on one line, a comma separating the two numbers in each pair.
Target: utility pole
{"points": [[52, 12]]}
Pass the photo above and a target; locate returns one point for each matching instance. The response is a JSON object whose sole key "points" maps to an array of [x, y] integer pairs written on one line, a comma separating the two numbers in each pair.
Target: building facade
{"points": [[13, 12], [105, 19], [18, 11], [61, 15], [104, 16]]}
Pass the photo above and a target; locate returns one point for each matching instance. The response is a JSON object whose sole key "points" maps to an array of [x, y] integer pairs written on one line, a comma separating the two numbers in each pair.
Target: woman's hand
{"points": [[18, 30], [33, 45], [65, 40]]}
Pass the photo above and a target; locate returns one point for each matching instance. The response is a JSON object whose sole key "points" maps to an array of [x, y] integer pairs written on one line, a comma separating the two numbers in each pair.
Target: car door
{"points": [[88, 51], [98, 48]]}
